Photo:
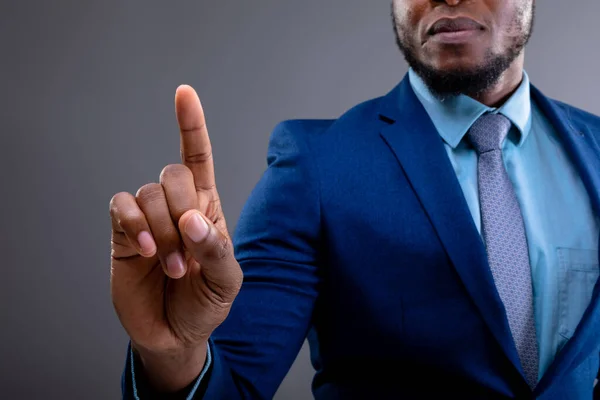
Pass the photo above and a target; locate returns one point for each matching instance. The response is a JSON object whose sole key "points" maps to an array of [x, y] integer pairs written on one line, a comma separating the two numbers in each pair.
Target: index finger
{"points": [[196, 151]]}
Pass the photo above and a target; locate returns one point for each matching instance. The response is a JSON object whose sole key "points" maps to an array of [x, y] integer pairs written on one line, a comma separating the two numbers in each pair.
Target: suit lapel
{"points": [[419, 149], [584, 153]]}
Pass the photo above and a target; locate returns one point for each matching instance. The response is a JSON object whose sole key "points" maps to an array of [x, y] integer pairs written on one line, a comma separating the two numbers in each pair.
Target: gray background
{"points": [[86, 110]]}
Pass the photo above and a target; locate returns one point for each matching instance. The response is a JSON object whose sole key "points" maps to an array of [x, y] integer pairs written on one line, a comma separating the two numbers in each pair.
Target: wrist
{"points": [[174, 370]]}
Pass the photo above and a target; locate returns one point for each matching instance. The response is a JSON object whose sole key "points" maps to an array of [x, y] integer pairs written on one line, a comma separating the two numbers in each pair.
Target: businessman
{"points": [[440, 241]]}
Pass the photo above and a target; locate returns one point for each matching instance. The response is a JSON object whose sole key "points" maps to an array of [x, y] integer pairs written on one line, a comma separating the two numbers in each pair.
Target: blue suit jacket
{"points": [[358, 237]]}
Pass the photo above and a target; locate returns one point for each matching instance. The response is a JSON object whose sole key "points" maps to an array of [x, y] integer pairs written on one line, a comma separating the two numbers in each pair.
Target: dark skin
{"points": [[497, 24], [174, 275]]}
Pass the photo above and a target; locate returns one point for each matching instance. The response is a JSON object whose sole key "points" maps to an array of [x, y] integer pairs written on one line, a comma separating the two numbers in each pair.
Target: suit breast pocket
{"points": [[578, 273]]}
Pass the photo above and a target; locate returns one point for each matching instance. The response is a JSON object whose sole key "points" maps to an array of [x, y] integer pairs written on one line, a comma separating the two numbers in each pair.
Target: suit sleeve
{"points": [[276, 245], [135, 386]]}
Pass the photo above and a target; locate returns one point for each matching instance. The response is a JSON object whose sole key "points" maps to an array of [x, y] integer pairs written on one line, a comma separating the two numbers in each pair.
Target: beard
{"points": [[467, 81]]}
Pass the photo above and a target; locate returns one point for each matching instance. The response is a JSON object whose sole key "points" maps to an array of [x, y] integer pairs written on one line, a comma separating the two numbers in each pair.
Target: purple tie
{"points": [[504, 235]]}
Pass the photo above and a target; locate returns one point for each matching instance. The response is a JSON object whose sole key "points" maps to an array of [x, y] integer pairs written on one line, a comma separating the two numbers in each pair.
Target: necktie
{"points": [[504, 235]]}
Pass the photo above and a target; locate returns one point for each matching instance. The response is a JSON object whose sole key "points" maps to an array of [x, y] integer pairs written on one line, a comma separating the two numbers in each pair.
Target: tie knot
{"points": [[488, 132]]}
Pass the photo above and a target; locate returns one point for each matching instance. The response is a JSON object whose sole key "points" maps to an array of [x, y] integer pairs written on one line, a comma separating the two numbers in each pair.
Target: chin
{"points": [[453, 64]]}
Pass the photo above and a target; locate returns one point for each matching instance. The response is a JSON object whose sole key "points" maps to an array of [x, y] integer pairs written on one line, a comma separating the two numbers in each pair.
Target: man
{"points": [[438, 242]]}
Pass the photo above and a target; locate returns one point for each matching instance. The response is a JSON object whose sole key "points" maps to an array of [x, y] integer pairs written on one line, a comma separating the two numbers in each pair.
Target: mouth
{"points": [[454, 30]]}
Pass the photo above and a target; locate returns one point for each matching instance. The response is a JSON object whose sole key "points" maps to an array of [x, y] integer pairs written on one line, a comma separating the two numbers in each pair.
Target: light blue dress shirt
{"points": [[562, 230]]}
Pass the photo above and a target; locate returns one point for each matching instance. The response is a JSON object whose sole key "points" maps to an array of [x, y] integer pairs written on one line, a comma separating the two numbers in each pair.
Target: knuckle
{"points": [[206, 188], [124, 213], [173, 171], [193, 130], [198, 157], [129, 220], [214, 210], [220, 248], [113, 205], [222, 293], [150, 192]]}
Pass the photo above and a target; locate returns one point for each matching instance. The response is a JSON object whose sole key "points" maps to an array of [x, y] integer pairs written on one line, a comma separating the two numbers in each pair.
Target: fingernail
{"points": [[196, 228], [175, 265], [146, 243]]}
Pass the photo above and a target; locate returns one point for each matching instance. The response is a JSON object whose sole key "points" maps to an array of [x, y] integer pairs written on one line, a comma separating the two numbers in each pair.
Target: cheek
{"points": [[408, 14], [523, 18], [513, 22]]}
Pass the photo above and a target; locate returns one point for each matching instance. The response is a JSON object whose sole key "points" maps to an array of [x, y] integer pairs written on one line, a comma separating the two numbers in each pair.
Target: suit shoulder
{"points": [[355, 116], [303, 126]]}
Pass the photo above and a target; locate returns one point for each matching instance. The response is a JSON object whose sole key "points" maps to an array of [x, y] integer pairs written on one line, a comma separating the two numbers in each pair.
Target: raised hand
{"points": [[173, 272]]}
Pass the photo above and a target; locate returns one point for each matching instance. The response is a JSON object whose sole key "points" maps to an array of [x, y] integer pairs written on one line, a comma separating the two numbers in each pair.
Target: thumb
{"points": [[214, 252]]}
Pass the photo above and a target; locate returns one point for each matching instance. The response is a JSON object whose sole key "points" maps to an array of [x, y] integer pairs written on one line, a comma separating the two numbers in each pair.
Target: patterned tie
{"points": [[504, 235]]}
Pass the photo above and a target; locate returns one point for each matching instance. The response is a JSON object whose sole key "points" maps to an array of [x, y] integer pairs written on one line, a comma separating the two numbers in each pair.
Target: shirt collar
{"points": [[454, 116]]}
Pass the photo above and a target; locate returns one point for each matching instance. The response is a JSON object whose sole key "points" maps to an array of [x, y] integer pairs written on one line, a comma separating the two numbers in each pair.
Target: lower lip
{"points": [[455, 37]]}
